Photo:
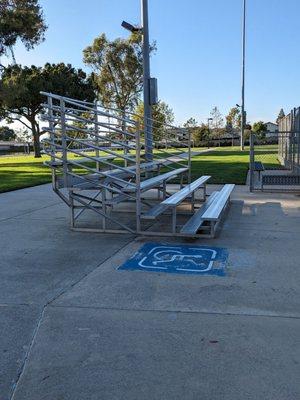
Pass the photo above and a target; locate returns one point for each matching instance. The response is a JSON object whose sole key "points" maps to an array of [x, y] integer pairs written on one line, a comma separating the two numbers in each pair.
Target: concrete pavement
{"points": [[75, 327]]}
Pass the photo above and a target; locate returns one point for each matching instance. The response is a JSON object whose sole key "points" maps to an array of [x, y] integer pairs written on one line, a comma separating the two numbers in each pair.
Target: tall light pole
{"points": [[149, 84], [146, 81], [243, 74], [208, 127]]}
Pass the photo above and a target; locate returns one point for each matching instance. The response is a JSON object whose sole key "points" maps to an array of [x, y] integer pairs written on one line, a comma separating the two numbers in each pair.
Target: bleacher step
{"points": [[195, 222], [155, 211], [214, 211], [176, 198]]}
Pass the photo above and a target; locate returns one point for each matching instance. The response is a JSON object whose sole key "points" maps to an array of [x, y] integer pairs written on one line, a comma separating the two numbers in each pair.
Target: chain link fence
{"points": [[275, 161]]}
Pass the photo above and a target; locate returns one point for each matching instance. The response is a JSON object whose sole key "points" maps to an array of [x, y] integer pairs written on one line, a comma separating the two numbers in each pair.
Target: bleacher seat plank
{"points": [[179, 196], [155, 211], [215, 209], [157, 180], [195, 222], [175, 198]]}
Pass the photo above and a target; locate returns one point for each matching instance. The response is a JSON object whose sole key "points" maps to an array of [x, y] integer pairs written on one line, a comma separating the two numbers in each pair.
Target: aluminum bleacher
{"points": [[101, 170]]}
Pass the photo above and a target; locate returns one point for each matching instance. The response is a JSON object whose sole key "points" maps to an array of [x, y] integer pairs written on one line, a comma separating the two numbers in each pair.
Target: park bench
{"points": [[175, 199], [258, 167], [211, 212]]}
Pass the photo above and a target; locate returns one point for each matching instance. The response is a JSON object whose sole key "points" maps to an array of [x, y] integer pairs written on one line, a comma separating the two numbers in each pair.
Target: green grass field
{"points": [[225, 165], [230, 165]]}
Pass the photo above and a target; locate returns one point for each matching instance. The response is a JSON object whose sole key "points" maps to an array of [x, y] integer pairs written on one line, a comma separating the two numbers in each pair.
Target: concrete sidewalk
{"points": [[73, 327]]}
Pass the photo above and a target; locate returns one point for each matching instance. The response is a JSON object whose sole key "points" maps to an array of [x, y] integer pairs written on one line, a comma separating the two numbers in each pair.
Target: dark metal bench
{"points": [[258, 166]]}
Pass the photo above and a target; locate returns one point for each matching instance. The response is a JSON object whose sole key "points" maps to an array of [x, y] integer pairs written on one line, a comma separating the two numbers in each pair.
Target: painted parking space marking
{"points": [[180, 259]]}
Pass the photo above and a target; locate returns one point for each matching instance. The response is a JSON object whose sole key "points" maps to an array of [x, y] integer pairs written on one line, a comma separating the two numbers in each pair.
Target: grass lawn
{"points": [[225, 165], [18, 172], [230, 165]]}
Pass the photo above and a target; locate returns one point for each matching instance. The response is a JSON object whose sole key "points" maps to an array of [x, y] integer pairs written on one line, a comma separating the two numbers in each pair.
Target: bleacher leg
{"points": [[71, 209], [164, 190], [193, 202], [174, 220], [181, 181], [204, 192], [212, 229], [104, 208]]}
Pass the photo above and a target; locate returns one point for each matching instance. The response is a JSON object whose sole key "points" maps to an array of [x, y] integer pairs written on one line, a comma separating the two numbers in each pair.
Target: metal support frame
{"points": [[98, 184]]}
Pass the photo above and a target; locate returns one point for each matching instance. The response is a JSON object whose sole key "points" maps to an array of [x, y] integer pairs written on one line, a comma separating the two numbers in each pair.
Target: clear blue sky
{"points": [[199, 49]]}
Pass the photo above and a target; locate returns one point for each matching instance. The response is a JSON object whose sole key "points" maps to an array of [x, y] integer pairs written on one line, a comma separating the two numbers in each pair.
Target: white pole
{"points": [[243, 75], [146, 80]]}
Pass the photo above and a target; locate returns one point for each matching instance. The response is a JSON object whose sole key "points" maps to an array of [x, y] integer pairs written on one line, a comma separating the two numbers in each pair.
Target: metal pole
{"points": [[243, 74], [251, 162], [190, 158], [97, 153], [138, 178], [208, 128], [64, 141], [146, 81]]}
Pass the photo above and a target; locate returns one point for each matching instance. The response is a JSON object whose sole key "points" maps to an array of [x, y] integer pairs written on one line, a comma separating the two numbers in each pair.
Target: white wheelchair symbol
{"points": [[189, 259]]}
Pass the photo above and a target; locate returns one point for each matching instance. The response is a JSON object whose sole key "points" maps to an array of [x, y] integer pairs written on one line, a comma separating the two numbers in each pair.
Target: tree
{"points": [[20, 19], [260, 128], [23, 135], [217, 118], [201, 133], [162, 115], [190, 123], [233, 118], [191, 126], [198, 133], [117, 70], [20, 87], [280, 115], [7, 133], [217, 123]]}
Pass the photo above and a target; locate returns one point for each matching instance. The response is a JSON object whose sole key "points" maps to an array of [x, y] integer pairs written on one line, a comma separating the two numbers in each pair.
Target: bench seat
{"points": [[211, 211], [195, 222], [215, 209], [259, 167], [176, 198], [156, 181]]}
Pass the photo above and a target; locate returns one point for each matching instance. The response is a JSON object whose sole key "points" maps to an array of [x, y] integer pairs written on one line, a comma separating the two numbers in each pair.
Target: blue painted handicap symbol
{"points": [[182, 259]]}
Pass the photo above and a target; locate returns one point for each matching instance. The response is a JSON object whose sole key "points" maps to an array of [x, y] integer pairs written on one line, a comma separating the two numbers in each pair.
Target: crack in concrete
{"points": [[262, 314], [27, 354], [28, 212], [87, 274]]}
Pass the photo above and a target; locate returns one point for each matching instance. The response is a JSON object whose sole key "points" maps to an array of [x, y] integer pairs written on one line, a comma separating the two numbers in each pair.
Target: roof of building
{"points": [[10, 143]]}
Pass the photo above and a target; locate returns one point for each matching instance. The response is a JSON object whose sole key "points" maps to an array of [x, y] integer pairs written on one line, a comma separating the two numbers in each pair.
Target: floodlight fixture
{"points": [[129, 27]]}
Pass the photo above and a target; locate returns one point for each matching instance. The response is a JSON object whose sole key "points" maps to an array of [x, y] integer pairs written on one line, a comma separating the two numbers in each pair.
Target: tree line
{"points": [[115, 79], [217, 127]]}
